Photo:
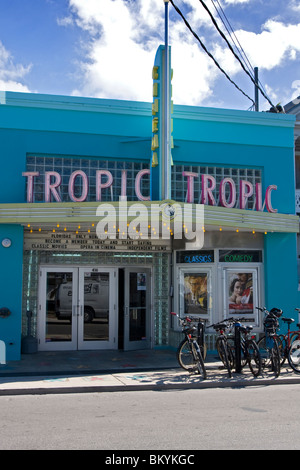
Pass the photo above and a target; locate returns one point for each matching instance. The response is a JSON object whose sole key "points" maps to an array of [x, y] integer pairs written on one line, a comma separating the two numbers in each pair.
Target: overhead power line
{"points": [[212, 57], [231, 49], [207, 52], [239, 48], [232, 34]]}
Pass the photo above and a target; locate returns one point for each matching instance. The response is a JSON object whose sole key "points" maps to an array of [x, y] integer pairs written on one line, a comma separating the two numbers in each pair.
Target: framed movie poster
{"points": [[240, 293], [195, 292]]}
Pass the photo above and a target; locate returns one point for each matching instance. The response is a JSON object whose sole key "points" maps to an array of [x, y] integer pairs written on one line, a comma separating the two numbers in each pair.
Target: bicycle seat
{"points": [[288, 320], [189, 330], [220, 326], [246, 328]]}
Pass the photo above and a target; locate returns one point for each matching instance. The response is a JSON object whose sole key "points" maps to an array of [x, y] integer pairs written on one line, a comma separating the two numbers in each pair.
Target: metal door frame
{"points": [[77, 324], [146, 343]]}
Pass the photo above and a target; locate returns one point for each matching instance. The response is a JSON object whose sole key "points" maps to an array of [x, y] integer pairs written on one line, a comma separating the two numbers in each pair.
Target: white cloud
{"points": [[295, 5], [276, 43], [235, 2], [118, 65], [124, 37], [65, 21], [11, 74]]}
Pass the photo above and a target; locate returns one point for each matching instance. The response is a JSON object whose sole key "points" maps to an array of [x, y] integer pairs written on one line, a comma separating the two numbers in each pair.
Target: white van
{"points": [[96, 300]]}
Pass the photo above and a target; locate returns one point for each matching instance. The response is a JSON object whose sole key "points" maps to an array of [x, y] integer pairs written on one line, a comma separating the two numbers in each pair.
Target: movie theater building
{"points": [[89, 246]]}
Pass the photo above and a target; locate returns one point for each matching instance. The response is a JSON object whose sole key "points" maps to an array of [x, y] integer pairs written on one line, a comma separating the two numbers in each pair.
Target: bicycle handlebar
{"points": [[189, 319], [228, 320], [262, 309]]}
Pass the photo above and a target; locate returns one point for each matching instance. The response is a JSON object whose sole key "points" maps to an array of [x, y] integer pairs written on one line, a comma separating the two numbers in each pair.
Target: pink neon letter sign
{"points": [[50, 188], [190, 185], [85, 186], [208, 184], [232, 197], [268, 198], [138, 185], [30, 183], [100, 185], [246, 190]]}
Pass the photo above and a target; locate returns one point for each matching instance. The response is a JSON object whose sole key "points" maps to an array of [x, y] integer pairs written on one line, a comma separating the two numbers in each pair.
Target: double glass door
{"points": [[81, 308], [77, 308]]}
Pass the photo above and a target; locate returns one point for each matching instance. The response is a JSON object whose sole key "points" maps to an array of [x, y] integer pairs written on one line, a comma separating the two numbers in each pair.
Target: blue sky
{"points": [[106, 49]]}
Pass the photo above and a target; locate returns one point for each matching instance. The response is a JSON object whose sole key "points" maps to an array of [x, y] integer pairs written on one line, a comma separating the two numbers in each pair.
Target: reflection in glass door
{"points": [[137, 308], [77, 309], [96, 328], [58, 309]]}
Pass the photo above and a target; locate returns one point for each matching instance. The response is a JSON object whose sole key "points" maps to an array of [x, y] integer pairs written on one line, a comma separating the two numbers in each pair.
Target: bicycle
{"points": [[293, 352], [190, 354], [223, 346], [249, 351], [287, 339], [269, 343]]}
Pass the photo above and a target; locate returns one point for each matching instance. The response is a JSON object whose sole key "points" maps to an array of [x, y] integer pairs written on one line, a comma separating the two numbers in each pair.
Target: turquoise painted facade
{"points": [[73, 127]]}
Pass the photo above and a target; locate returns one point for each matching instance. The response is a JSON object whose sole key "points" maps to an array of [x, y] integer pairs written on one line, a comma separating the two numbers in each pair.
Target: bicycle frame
{"points": [[194, 348], [290, 333], [271, 339], [224, 349]]}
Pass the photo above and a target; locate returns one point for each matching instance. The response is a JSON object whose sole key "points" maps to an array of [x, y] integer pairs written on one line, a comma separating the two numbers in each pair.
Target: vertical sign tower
{"points": [[162, 124]]}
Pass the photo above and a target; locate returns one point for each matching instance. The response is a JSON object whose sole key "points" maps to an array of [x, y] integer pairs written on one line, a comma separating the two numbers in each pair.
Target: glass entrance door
{"points": [[77, 309], [58, 309], [97, 304], [137, 308]]}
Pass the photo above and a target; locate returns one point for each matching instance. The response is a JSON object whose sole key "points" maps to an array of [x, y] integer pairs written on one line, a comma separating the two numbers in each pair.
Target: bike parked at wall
{"points": [[248, 347], [287, 339], [223, 346], [192, 349], [269, 344], [248, 352], [291, 345]]}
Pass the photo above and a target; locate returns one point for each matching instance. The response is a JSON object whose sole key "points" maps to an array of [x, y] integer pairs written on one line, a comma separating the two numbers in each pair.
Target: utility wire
{"points": [[208, 53], [232, 36], [231, 49]]}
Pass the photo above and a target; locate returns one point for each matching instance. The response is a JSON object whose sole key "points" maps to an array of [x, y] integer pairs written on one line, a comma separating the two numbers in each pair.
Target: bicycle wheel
{"points": [[283, 348], [294, 336], [231, 344], [187, 355], [265, 352], [225, 353], [253, 357], [294, 356], [203, 350], [200, 364], [275, 357]]}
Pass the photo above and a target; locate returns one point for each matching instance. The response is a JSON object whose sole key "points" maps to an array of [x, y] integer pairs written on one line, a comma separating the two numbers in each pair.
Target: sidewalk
{"points": [[108, 371]]}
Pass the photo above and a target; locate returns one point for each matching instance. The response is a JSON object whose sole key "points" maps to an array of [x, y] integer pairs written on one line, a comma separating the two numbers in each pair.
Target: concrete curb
{"points": [[135, 381]]}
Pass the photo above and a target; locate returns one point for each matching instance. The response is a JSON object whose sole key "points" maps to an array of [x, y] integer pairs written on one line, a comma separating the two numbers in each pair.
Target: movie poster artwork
{"points": [[196, 300], [240, 293]]}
